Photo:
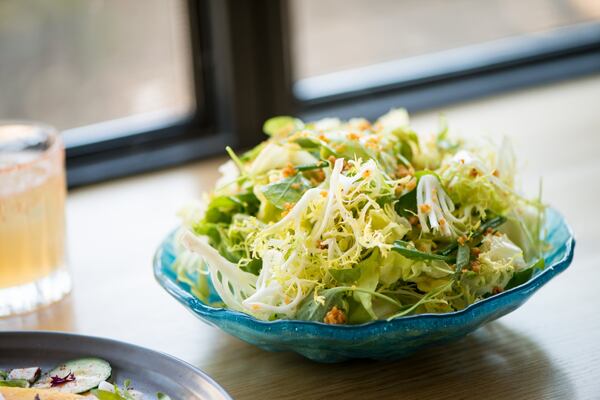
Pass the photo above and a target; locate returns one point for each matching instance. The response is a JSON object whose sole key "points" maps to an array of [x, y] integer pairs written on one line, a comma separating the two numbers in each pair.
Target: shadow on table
{"points": [[494, 362], [55, 317]]}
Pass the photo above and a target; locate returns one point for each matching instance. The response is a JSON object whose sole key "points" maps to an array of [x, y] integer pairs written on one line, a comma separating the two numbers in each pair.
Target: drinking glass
{"points": [[33, 270]]}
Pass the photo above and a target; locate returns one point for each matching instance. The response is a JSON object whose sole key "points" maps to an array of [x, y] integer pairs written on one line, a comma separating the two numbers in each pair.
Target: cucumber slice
{"points": [[29, 374], [88, 373], [21, 383]]}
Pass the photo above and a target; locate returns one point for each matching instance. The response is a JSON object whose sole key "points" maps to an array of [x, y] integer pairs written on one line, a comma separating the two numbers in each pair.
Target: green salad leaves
{"points": [[351, 221]]}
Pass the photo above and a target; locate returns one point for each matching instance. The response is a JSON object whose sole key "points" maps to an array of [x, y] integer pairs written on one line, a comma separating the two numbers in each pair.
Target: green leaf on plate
{"points": [[409, 251], [22, 383], [493, 223], [463, 256], [288, 190], [311, 310], [407, 204], [282, 125], [523, 276], [106, 395], [253, 266], [222, 208], [345, 276], [310, 167]]}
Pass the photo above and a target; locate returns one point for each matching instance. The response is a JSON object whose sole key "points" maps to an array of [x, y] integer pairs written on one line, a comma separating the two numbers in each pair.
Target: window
{"points": [[143, 84], [73, 63], [334, 35], [341, 48]]}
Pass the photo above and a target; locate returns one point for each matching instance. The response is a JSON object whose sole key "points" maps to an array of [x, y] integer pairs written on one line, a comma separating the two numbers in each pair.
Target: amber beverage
{"points": [[32, 217]]}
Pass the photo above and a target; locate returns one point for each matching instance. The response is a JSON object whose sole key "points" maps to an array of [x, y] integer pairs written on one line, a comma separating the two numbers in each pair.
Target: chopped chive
{"points": [[490, 223], [236, 160], [401, 247], [310, 167], [463, 256]]}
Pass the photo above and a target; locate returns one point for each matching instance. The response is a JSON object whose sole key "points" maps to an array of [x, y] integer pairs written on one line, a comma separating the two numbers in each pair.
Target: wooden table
{"points": [[549, 348]]}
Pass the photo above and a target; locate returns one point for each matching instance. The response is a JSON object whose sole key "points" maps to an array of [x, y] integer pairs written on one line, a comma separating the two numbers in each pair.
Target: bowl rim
{"points": [[200, 308]]}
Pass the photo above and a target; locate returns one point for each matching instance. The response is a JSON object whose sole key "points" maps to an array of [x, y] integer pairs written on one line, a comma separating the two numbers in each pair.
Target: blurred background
{"points": [[143, 84]]}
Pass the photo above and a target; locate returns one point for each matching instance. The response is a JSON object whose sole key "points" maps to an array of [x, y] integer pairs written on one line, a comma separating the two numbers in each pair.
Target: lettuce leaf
{"points": [[282, 126], [222, 208], [523, 276], [312, 310], [369, 278], [286, 191]]}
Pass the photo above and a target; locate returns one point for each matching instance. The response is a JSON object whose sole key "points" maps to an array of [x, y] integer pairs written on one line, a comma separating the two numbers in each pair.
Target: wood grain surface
{"points": [[547, 349]]}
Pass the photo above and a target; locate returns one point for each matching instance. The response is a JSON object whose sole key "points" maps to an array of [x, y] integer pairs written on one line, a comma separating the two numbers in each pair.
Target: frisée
{"points": [[346, 222]]}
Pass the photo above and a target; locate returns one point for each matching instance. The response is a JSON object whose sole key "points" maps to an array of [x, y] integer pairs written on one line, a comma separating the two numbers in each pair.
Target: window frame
{"points": [[118, 148], [231, 48], [242, 71], [502, 65]]}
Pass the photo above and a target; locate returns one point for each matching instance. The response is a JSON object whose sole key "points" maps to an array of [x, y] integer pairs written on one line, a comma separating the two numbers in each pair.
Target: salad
{"points": [[84, 378], [346, 222]]}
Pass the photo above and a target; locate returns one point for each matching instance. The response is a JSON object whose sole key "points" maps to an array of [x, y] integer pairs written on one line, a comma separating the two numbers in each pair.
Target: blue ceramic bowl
{"points": [[376, 340]]}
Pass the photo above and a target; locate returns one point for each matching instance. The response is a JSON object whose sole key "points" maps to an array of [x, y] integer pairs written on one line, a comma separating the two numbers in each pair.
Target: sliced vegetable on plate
{"points": [[75, 379], [76, 376]]}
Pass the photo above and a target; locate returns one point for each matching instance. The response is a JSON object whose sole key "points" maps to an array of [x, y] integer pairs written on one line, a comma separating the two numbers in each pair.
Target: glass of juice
{"points": [[33, 270]]}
